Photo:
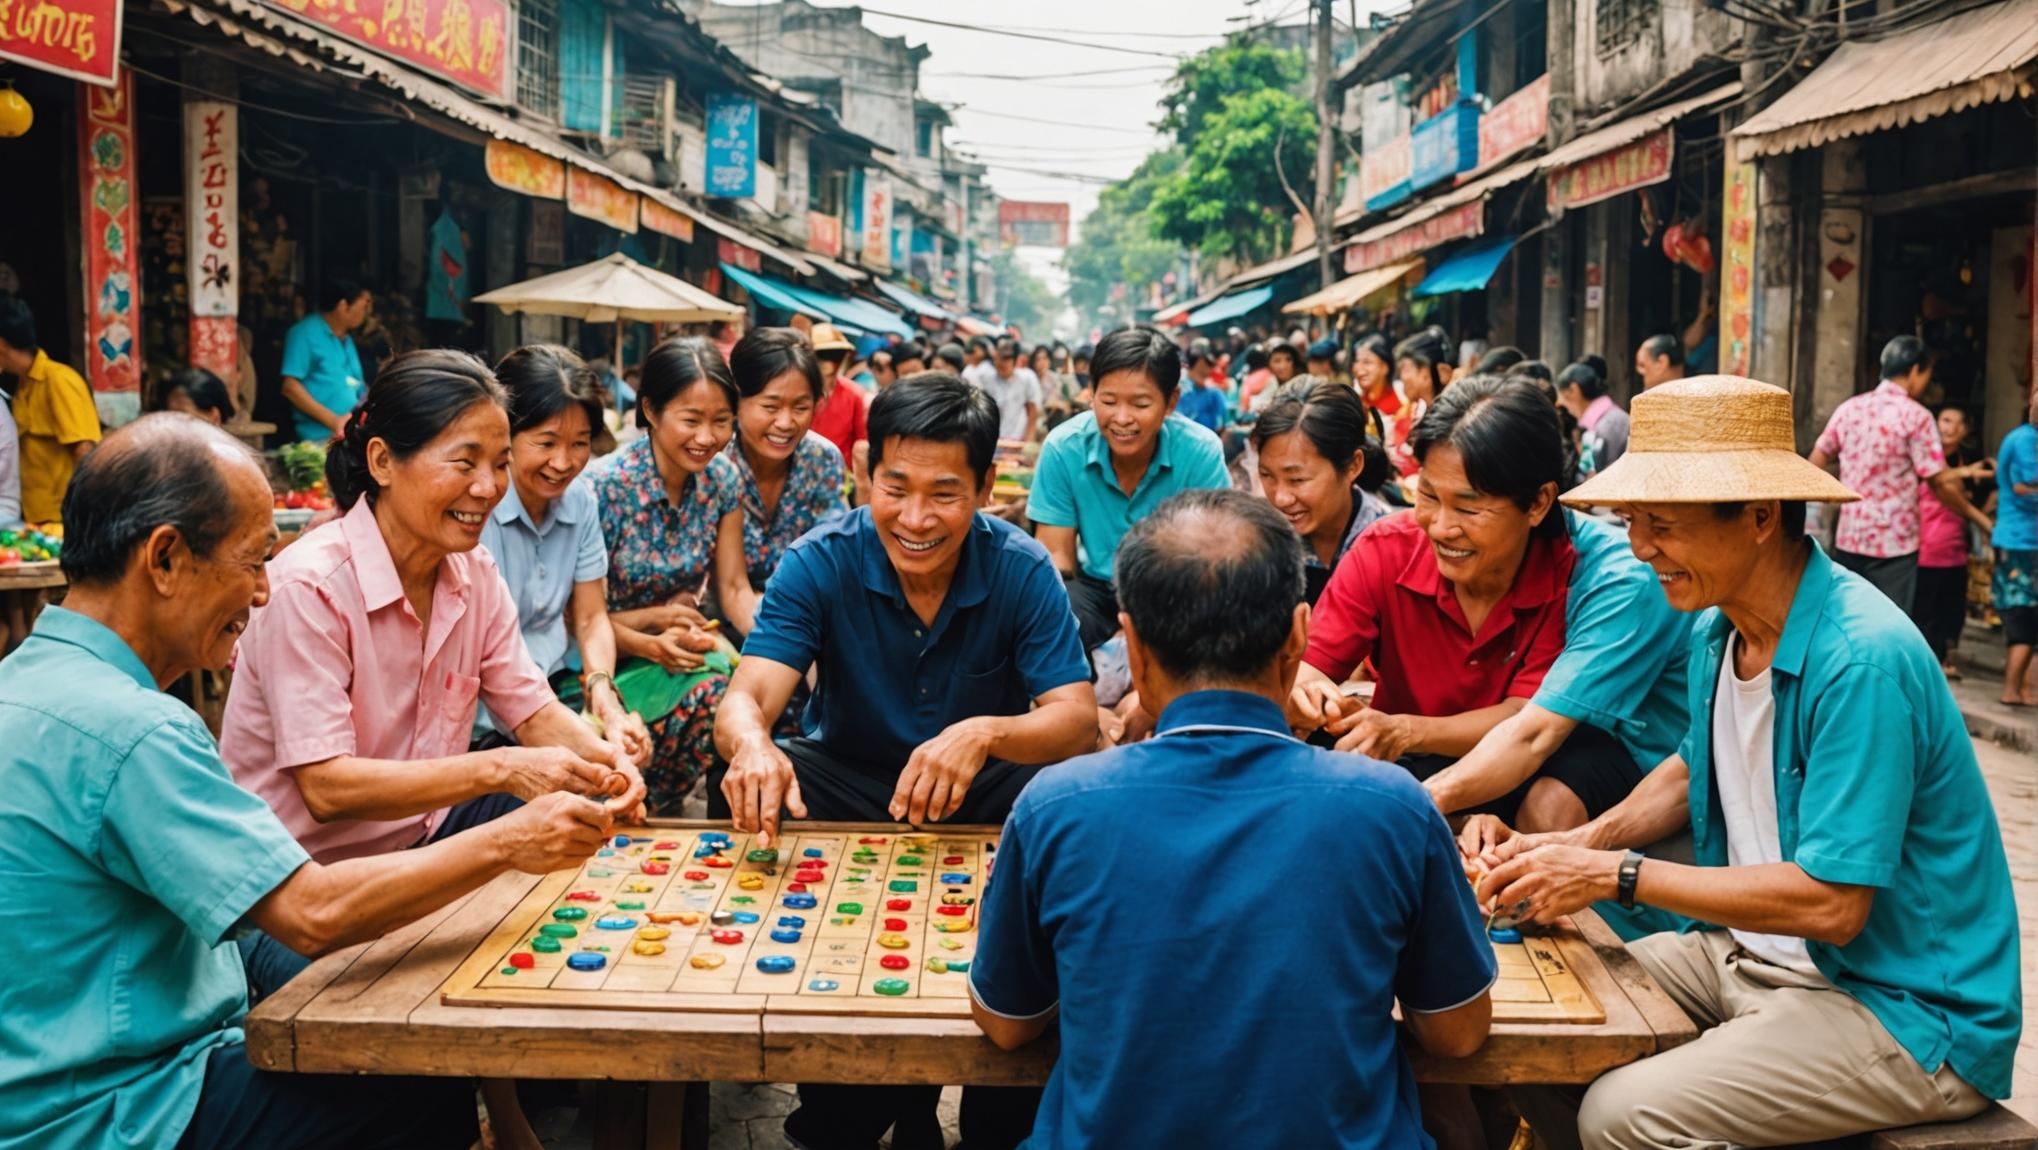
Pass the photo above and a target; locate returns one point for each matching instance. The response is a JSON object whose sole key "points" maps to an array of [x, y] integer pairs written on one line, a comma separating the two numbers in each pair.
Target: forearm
{"points": [[739, 601], [555, 725], [380, 790], [1511, 753], [1455, 735], [1047, 734], [322, 908], [1657, 808], [1952, 496], [643, 619], [300, 398], [741, 723], [1771, 898], [597, 645]]}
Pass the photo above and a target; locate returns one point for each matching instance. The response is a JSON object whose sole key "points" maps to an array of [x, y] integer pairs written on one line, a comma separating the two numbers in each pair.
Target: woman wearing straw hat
{"points": [[1865, 946]]}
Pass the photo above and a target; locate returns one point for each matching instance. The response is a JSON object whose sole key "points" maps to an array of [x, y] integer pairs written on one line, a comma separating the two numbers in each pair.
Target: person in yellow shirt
{"points": [[52, 407]]}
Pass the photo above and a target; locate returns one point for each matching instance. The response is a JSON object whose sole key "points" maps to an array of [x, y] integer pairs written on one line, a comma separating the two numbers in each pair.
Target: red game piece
{"points": [[870, 842], [808, 875], [583, 896], [695, 876], [895, 962], [522, 961], [665, 846], [726, 937], [717, 861], [656, 867], [952, 860], [899, 904], [895, 924], [796, 888], [952, 911]]}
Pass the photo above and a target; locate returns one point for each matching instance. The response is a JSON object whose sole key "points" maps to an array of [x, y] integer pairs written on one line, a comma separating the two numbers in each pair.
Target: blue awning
{"points": [[914, 302], [1469, 268], [1231, 306], [854, 316]]}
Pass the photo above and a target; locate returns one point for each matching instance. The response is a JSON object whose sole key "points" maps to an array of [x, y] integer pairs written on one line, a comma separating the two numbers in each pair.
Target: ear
{"points": [[163, 556], [984, 484], [1768, 517], [381, 462], [1137, 661], [1174, 397], [1297, 643], [1546, 502]]}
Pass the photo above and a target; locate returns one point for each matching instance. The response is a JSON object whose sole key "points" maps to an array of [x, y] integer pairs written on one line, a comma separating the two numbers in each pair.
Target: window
{"points": [[923, 139], [1619, 23], [538, 56], [821, 190]]}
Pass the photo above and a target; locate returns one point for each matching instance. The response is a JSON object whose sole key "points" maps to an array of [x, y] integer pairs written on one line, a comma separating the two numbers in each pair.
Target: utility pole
{"points": [[1326, 142]]}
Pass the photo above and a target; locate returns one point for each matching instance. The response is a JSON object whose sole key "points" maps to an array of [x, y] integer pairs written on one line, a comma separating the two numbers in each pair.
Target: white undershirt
{"points": [[1744, 769]]}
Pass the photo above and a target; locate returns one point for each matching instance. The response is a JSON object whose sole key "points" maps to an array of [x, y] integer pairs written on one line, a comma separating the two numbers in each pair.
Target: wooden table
{"points": [[376, 1009]]}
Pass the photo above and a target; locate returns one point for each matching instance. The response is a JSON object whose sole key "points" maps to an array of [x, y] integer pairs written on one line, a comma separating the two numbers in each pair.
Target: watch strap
{"points": [[1630, 870]]}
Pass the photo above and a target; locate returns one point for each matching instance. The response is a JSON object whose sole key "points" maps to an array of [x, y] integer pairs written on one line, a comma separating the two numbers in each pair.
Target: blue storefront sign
{"points": [[1445, 144], [732, 145]]}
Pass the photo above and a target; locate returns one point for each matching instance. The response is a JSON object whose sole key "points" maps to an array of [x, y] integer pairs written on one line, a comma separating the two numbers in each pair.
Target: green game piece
{"points": [[558, 930], [545, 944], [570, 913], [600, 873], [848, 908], [742, 900], [903, 885], [633, 904], [762, 855], [891, 987], [509, 970], [910, 860]]}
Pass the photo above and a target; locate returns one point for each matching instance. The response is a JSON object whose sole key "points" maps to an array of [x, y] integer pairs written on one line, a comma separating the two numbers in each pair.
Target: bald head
{"points": [[1210, 581], [161, 470]]}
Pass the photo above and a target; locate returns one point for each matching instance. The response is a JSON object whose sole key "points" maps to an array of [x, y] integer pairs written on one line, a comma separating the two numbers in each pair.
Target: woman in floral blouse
{"points": [[671, 513], [791, 479]]}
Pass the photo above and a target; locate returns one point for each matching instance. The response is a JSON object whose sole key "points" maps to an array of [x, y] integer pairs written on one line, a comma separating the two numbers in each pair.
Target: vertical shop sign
{"points": [[876, 249], [732, 145], [1737, 272], [112, 266], [824, 235], [212, 232]]}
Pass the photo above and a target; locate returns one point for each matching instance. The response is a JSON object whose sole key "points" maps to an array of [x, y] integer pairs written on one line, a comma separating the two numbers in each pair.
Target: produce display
{"points": [[305, 466], [31, 545]]}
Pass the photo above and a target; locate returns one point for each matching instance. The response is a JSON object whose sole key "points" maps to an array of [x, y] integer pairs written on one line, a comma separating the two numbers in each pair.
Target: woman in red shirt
{"points": [[1423, 361]]}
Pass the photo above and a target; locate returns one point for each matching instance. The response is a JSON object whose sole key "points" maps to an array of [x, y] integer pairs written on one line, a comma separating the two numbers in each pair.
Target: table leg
{"points": [[639, 1115]]}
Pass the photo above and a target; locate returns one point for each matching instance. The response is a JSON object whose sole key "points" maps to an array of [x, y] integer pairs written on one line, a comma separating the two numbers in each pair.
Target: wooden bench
{"points": [[1993, 1129]]}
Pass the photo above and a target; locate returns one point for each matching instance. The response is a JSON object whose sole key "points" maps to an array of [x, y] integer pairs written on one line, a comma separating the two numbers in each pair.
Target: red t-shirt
{"points": [[841, 418], [1387, 601]]}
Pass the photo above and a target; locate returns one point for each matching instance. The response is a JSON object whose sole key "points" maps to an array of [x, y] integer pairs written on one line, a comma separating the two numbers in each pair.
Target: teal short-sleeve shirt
{"points": [[1074, 485], [127, 856]]}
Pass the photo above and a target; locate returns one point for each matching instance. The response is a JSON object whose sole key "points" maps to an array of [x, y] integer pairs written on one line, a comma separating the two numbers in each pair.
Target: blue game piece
{"points": [[746, 916], [955, 879], [605, 853], [586, 960], [620, 841], [812, 852], [1504, 934], [616, 922], [792, 920], [785, 935], [824, 985], [800, 902], [777, 963]]}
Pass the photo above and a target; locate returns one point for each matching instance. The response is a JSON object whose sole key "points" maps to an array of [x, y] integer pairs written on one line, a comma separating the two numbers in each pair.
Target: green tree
{"points": [[1230, 198], [1119, 250], [1236, 67], [1027, 302]]}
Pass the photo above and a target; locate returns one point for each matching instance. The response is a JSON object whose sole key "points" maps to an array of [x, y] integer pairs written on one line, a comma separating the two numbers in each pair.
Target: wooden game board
{"points": [[879, 923], [874, 885]]}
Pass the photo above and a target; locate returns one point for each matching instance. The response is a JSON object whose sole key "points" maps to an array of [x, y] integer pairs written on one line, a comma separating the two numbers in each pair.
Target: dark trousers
{"points": [[1895, 576], [837, 788], [269, 964], [1592, 764], [242, 1108], [1941, 607], [1096, 605]]}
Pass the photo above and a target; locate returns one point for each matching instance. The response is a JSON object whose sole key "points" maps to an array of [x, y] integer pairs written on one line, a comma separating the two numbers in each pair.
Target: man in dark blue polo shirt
{"points": [[1223, 912], [949, 671]]}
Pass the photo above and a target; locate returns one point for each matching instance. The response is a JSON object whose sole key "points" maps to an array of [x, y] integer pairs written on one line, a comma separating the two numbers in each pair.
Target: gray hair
{"points": [[166, 469]]}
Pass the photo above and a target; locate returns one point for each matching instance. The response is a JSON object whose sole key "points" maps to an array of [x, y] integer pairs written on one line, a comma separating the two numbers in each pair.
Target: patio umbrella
{"points": [[614, 288]]}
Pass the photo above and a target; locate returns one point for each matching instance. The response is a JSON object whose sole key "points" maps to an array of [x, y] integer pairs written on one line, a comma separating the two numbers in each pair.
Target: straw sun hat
{"points": [[1710, 439]]}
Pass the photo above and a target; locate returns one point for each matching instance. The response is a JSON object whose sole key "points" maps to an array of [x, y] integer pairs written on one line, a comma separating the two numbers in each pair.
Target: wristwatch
{"points": [[1630, 869]]}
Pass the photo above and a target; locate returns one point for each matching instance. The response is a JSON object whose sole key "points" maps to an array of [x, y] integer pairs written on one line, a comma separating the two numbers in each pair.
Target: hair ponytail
{"points": [[414, 398]]}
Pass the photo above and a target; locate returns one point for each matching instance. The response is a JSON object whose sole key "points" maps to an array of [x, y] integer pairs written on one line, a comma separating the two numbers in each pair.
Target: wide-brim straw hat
{"points": [[1710, 439], [828, 337]]}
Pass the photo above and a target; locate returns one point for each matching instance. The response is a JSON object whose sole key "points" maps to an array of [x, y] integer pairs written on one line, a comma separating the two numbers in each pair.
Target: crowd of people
{"points": [[1464, 616]]}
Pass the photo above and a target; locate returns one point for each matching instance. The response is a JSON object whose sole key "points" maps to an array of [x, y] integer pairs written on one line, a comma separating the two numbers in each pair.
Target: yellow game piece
{"points": [[750, 882], [706, 961], [894, 941], [637, 887], [654, 933], [647, 948], [948, 943], [954, 926]]}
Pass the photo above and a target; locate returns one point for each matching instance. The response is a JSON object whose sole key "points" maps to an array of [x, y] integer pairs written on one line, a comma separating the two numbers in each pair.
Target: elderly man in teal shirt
{"points": [[1854, 919], [128, 857]]}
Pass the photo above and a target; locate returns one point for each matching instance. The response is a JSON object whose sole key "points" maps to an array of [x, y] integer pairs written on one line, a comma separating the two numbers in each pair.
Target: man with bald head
{"points": [[124, 1003], [1391, 917]]}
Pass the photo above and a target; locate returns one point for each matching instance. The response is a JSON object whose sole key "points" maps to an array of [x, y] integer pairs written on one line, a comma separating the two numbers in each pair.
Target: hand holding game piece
{"points": [[1314, 704], [531, 772], [936, 778], [760, 784], [1480, 835], [627, 790], [673, 649], [1375, 733], [1549, 880], [551, 832]]}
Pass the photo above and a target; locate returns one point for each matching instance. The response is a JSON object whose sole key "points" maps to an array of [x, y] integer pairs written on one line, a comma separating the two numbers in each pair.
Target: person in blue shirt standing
{"points": [[1201, 402], [1148, 991], [2014, 582], [124, 1010], [322, 376], [1853, 963], [947, 671], [1107, 468]]}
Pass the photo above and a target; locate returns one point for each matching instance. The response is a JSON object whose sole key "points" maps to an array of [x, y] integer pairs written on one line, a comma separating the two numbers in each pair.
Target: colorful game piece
{"points": [[647, 948], [902, 885], [664, 846], [953, 899], [792, 920], [895, 962], [570, 913], [743, 900], [812, 852], [509, 970], [600, 873], [706, 961], [895, 924], [522, 961], [545, 944], [559, 930], [952, 926], [583, 896], [726, 937], [800, 902], [824, 985], [620, 841], [695, 876], [898, 904], [891, 987], [762, 855], [586, 960], [630, 904], [638, 886], [894, 941], [952, 911], [786, 935], [910, 860], [750, 882], [1503, 934], [952, 860], [948, 944], [777, 963], [956, 879], [650, 867], [722, 917], [744, 917], [717, 862], [654, 934], [948, 965], [615, 922]]}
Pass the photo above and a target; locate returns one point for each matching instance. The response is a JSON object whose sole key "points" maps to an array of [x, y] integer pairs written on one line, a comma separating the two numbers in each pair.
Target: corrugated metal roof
{"points": [[1976, 57], [1633, 128]]}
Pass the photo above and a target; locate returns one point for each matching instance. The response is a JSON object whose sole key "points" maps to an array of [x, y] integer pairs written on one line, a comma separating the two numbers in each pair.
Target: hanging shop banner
{"points": [[464, 41], [601, 199], [1384, 173], [1516, 123], [112, 271], [824, 235], [520, 169], [732, 145], [1458, 223], [666, 222], [736, 255], [876, 249], [1444, 145], [212, 233], [1041, 224], [1737, 272], [79, 39], [1604, 176]]}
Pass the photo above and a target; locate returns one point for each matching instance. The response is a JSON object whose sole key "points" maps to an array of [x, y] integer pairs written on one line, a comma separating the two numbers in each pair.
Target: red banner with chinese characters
{"points": [[212, 230], [601, 199], [79, 39], [663, 220], [1604, 176], [824, 235], [1737, 271], [464, 41], [520, 169], [1515, 123], [1459, 222], [107, 211], [736, 255]]}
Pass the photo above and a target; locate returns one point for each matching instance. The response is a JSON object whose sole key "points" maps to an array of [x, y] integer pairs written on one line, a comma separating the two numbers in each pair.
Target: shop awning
{"points": [[1454, 215], [1231, 306], [836, 268], [914, 302], [613, 288], [857, 317], [1980, 56], [1633, 130], [972, 327], [1470, 268], [1272, 268], [1174, 312], [239, 19], [1347, 293]]}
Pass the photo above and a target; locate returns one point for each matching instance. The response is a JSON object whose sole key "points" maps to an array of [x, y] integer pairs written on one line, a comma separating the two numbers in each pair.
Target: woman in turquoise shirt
{"points": [[2016, 545]]}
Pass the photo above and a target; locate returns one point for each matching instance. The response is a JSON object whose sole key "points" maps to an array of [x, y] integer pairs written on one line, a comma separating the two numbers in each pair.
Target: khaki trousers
{"points": [[1780, 1059]]}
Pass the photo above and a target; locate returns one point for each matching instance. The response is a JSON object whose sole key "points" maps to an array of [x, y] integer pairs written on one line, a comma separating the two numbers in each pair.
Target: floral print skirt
{"points": [[2015, 582]]}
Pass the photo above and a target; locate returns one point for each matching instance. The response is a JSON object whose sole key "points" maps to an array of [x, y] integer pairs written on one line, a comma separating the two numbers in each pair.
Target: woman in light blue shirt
{"points": [[546, 537]]}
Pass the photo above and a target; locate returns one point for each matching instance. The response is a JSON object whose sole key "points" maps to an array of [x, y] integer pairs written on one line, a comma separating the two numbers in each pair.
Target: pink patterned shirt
{"points": [[337, 664], [1886, 442]]}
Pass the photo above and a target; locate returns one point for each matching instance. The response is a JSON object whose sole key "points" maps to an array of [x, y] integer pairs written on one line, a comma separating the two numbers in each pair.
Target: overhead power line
{"points": [[1019, 35], [972, 109], [1085, 74]]}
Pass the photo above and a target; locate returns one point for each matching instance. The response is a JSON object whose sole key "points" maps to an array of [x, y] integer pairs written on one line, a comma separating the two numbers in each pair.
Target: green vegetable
{"points": [[304, 463]]}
